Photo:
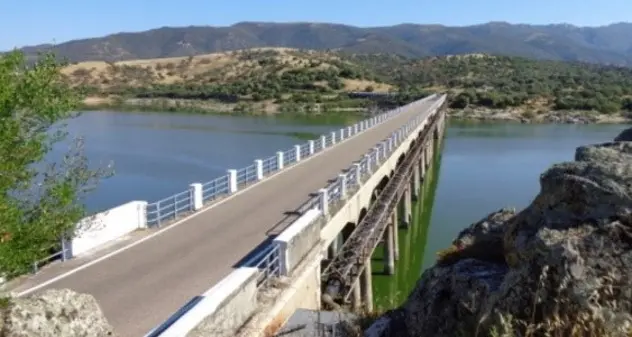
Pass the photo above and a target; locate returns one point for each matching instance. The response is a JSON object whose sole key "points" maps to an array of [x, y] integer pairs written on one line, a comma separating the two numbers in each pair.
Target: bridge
{"points": [[253, 232]]}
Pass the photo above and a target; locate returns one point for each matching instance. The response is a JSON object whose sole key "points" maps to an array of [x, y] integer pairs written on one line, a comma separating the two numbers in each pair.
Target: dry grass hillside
{"points": [[216, 68]]}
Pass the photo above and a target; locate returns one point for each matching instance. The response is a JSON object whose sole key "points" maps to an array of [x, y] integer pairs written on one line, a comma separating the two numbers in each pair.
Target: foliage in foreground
{"points": [[40, 199]]}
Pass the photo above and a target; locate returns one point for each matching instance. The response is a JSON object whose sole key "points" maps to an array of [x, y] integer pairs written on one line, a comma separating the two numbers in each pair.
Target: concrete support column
{"points": [[416, 182], [395, 234], [232, 181], [342, 180], [280, 160], [367, 286], [408, 209], [297, 149], [333, 137], [389, 253], [196, 196], [422, 164], [311, 147], [356, 297], [259, 168], [324, 201]]}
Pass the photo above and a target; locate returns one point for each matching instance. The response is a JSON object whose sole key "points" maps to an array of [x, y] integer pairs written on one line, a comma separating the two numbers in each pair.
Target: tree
{"points": [[40, 198]]}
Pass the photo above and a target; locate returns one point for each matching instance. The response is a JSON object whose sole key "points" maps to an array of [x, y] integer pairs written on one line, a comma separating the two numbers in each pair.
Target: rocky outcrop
{"points": [[561, 266], [54, 313]]}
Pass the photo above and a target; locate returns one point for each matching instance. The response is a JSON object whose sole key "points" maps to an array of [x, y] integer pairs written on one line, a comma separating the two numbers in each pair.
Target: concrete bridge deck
{"points": [[140, 287]]}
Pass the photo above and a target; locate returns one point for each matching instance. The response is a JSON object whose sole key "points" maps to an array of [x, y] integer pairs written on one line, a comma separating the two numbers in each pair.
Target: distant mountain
{"points": [[607, 44]]}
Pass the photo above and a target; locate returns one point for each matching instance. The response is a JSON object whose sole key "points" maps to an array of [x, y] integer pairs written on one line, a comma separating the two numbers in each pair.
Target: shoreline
{"points": [[541, 117], [460, 115]]}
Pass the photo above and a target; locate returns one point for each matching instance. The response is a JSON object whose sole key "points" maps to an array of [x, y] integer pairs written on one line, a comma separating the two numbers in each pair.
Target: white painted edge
{"points": [[213, 300], [181, 221]]}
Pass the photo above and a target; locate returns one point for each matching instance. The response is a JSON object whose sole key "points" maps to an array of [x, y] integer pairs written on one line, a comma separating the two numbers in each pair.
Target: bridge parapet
{"points": [[281, 259]]}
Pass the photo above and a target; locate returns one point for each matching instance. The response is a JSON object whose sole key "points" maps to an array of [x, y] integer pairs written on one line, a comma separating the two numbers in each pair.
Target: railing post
{"points": [[358, 176], [333, 137], [259, 168], [368, 163], [311, 147], [323, 201], [342, 178], [376, 155], [355, 128], [196, 196], [342, 134], [384, 145], [66, 247], [297, 148], [280, 160], [349, 131], [232, 181], [323, 141]]}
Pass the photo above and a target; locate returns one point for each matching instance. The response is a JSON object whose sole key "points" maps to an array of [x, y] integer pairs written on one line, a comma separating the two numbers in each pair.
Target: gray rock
{"points": [[54, 313], [624, 136], [562, 263]]}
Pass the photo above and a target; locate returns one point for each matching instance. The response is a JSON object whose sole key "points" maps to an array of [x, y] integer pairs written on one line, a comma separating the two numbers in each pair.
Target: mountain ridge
{"points": [[603, 44]]}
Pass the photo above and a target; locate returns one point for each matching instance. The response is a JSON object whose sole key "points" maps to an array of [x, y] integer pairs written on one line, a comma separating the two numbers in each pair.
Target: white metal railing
{"points": [[174, 206], [169, 208], [214, 188]]}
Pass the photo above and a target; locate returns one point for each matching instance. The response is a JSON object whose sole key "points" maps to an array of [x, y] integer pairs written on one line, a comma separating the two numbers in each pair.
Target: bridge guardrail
{"points": [[219, 187], [180, 204], [273, 164]]}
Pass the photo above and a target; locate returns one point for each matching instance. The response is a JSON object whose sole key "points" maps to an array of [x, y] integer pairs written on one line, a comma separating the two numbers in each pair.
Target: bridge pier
{"points": [[356, 297], [389, 252], [395, 234], [367, 286], [422, 165], [416, 182], [408, 207]]}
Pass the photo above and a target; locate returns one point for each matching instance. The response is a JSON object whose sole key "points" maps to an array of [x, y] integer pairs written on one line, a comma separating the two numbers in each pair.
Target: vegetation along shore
{"points": [[307, 82]]}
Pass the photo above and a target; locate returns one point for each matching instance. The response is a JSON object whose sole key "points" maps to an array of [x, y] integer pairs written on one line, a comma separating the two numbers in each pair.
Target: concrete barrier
{"points": [[223, 308], [297, 240], [112, 224]]}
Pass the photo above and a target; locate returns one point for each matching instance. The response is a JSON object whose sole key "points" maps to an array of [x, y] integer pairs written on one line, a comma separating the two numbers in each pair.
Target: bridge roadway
{"points": [[142, 286]]}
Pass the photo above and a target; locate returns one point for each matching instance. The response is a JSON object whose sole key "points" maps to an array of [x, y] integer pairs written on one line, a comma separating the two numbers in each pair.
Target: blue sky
{"points": [[48, 21]]}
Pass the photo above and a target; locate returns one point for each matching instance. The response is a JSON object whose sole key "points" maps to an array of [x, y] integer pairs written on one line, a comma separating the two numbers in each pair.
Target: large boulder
{"points": [[560, 267], [54, 313]]}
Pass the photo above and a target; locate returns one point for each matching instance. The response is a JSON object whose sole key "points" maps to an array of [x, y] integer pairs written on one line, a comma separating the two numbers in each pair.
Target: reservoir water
{"points": [[481, 168]]}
